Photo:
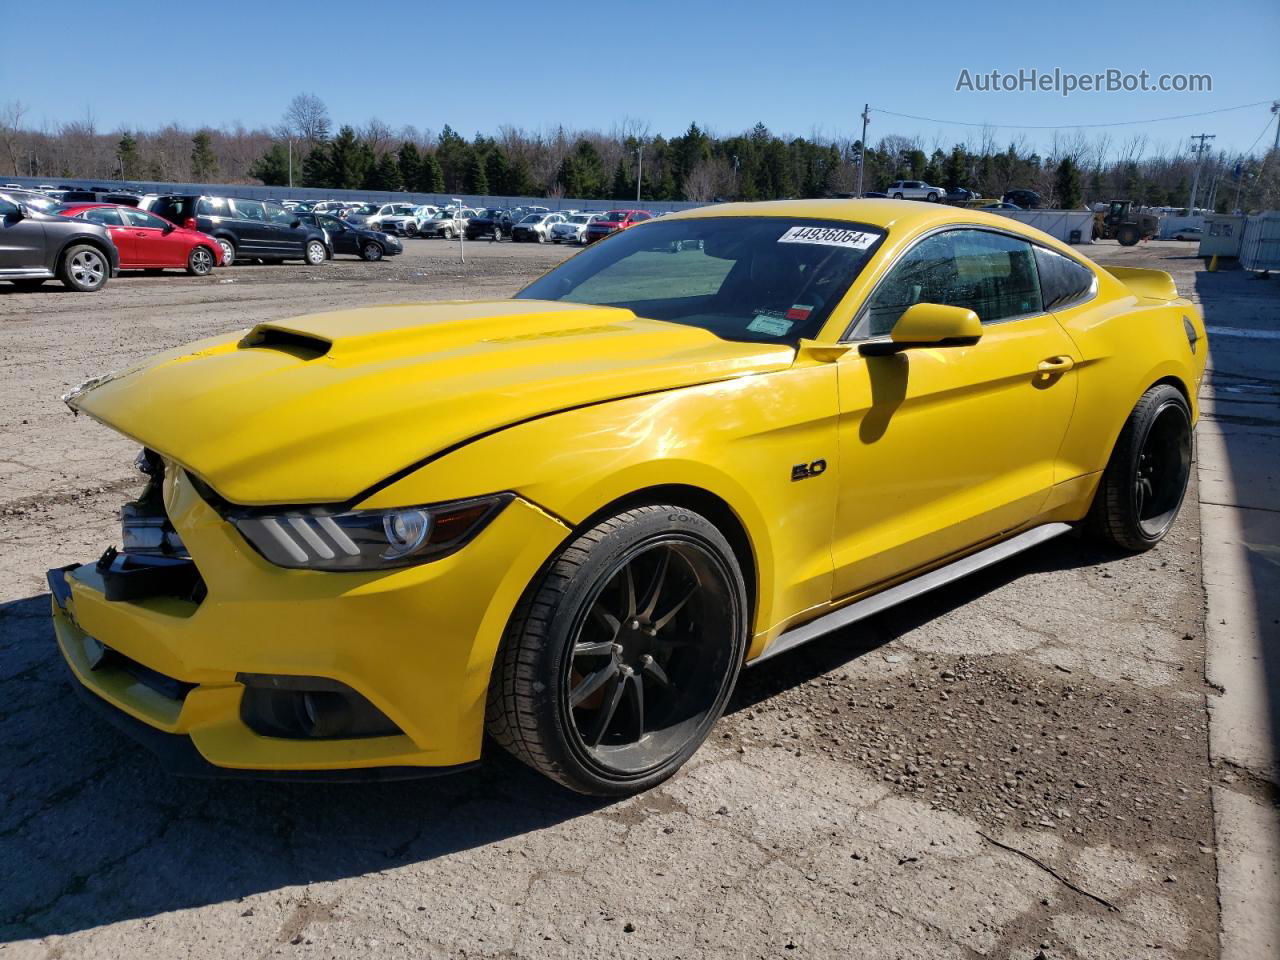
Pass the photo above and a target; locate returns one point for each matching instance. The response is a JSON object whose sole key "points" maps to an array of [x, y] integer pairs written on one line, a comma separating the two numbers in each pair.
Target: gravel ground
{"points": [[1012, 766]]}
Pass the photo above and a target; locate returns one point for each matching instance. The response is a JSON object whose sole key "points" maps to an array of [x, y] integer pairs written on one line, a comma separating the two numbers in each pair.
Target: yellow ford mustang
{"points": [[570, 518]]}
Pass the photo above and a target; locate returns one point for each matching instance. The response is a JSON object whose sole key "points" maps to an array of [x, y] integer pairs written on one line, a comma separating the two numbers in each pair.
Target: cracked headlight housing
{"points": [[318, 539]]}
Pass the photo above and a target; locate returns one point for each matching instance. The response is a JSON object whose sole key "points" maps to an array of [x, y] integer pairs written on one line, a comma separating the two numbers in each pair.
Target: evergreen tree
{"points": [[520, 179], [410, 161], [384, 174], [317, 167], [453, 152], [130, 161], [622, 187], [1066, 185], [348, 160], [272, 168], [475, 180], [431, 178], [591, 176], [567, 177], [498, 172], [204, 165], [954, 171]]}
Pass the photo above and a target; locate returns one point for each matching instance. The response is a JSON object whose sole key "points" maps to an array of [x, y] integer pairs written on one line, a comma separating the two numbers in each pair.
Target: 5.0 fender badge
{"points": [[803, 471]]}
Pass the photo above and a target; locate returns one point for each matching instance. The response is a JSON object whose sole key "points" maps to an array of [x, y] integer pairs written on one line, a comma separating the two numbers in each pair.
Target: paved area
{"points": [[1239, 465], [1016, 765]]}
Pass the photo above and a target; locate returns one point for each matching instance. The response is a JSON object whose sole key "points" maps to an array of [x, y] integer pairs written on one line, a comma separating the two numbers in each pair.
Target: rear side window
{"points": [[214, 207], [249, 209], [107, 216], [1063, 282]]}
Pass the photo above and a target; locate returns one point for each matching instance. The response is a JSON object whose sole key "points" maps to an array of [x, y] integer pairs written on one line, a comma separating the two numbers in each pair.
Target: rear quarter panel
{"points": [[1127, 344]]}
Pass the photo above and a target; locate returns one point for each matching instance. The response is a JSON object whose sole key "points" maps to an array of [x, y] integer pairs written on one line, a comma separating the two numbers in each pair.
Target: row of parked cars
{"points": [[533, 224], [960, 197], [84, 237]]}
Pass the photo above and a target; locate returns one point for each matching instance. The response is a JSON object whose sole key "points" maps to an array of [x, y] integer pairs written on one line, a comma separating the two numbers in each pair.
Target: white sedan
{"points": [[573, 229]]}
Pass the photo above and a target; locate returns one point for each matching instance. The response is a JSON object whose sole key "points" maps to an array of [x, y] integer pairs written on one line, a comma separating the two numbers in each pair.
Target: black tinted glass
{"points": [[1062, 280], [758, 279]]}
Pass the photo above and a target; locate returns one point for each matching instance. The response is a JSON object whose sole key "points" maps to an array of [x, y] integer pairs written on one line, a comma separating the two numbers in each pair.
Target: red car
{"points": [[615, 220], [148, 242]]}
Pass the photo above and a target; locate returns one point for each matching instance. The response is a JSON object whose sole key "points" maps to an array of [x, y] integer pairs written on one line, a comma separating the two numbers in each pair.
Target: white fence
{"points": [[1260, 249], [1061, 224]]}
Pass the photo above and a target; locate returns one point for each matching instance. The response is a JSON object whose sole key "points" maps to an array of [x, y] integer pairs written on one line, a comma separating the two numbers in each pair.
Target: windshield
{"points": [[615, 216], [533, 218], [579, 218], [36, 201], [758, 279]]}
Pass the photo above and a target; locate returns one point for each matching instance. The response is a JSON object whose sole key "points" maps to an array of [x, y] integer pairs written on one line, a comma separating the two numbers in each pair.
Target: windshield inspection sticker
{"points": [[773, 325], [799, 311], [829, 237]]}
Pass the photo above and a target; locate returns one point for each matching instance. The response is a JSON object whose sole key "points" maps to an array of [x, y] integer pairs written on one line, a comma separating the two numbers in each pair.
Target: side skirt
{"points": [[874, 604]]}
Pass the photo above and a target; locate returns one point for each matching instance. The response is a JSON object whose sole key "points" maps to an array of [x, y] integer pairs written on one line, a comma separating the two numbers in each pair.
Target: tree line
{"points": [[757, 164]]}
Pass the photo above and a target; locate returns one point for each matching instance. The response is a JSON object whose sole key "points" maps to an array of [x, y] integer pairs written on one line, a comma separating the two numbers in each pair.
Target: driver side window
{"points": [[992, 274]]}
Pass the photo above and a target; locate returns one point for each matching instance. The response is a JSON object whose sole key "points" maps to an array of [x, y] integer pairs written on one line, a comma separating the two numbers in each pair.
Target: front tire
{"points": [[371, 251], [1128, 236], [447, 233], [622, 654], [200, 262], [84, 268], [932, 198], [1141, 490]]}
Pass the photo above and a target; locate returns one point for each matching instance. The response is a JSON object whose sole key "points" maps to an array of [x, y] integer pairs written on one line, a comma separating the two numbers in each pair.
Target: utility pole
{"points": [[1275, 108], [639, 169], [737, 193], [291, 163], [1199, 151], [862, 154]]}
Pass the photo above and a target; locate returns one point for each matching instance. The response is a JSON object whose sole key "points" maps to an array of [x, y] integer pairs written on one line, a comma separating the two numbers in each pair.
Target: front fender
{"points": [[737, 440]]}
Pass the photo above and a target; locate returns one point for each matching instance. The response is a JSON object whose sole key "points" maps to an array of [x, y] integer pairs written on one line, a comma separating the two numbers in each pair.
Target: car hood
{"points": [[321, 408]]}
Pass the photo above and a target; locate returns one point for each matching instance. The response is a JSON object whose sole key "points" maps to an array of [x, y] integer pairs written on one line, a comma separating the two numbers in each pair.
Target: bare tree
{"points": [[10, 131], [307, 119], [379, 135], [700, 184]]}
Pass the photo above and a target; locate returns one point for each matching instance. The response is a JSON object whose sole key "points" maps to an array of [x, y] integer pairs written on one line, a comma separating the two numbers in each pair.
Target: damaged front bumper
{"points": [[209, 679]]}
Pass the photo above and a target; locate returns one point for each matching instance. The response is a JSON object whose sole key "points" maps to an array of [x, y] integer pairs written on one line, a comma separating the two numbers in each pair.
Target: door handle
{"points": [[1055, 365]]}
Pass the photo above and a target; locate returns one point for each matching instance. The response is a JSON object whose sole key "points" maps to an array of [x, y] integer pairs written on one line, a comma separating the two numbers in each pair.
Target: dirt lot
{"points": [[1015, 765]]}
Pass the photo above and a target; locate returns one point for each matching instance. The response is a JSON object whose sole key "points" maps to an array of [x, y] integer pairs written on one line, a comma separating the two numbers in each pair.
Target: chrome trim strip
{"points": [[875, 603]]}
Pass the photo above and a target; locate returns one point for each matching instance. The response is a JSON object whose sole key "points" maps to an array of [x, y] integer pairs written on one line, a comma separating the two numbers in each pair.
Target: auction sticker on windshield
{"points": [[829, 237]]}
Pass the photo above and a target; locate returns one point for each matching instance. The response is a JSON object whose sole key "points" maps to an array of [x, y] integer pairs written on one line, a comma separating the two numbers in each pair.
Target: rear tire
{"points": [[622, 653], [228, 251], [315, 253], [897, 196], [1142, 488], [84, 268]]}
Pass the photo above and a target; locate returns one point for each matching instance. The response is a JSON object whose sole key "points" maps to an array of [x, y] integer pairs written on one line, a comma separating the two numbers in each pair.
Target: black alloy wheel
{"points": [[622, 656], [1142, 489]]}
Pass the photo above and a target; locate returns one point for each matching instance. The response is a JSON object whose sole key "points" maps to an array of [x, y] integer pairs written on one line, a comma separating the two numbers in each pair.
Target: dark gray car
{"points": [[37, 245]]}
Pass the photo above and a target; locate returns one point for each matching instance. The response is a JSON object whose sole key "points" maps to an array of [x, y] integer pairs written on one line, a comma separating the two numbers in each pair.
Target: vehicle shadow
{"points": [[100, 833], [844, 646], [95, 832], [1245, 389]]}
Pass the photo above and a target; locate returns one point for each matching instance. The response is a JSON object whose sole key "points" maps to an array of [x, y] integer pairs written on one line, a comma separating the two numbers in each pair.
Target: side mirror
{"points": [[928, 325], [21, 213], [296, 223], [169, 228]]}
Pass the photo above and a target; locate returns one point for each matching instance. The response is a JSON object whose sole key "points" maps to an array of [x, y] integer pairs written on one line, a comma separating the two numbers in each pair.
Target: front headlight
{"points": [[318, 539]]}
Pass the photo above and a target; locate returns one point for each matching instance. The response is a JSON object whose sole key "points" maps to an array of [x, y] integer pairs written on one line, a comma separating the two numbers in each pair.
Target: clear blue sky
{"points": [[799, 67]]}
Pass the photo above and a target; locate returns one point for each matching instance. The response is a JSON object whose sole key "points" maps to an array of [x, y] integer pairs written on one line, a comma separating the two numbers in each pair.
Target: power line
{"points": [[1068, 126], [1260, 136]]}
